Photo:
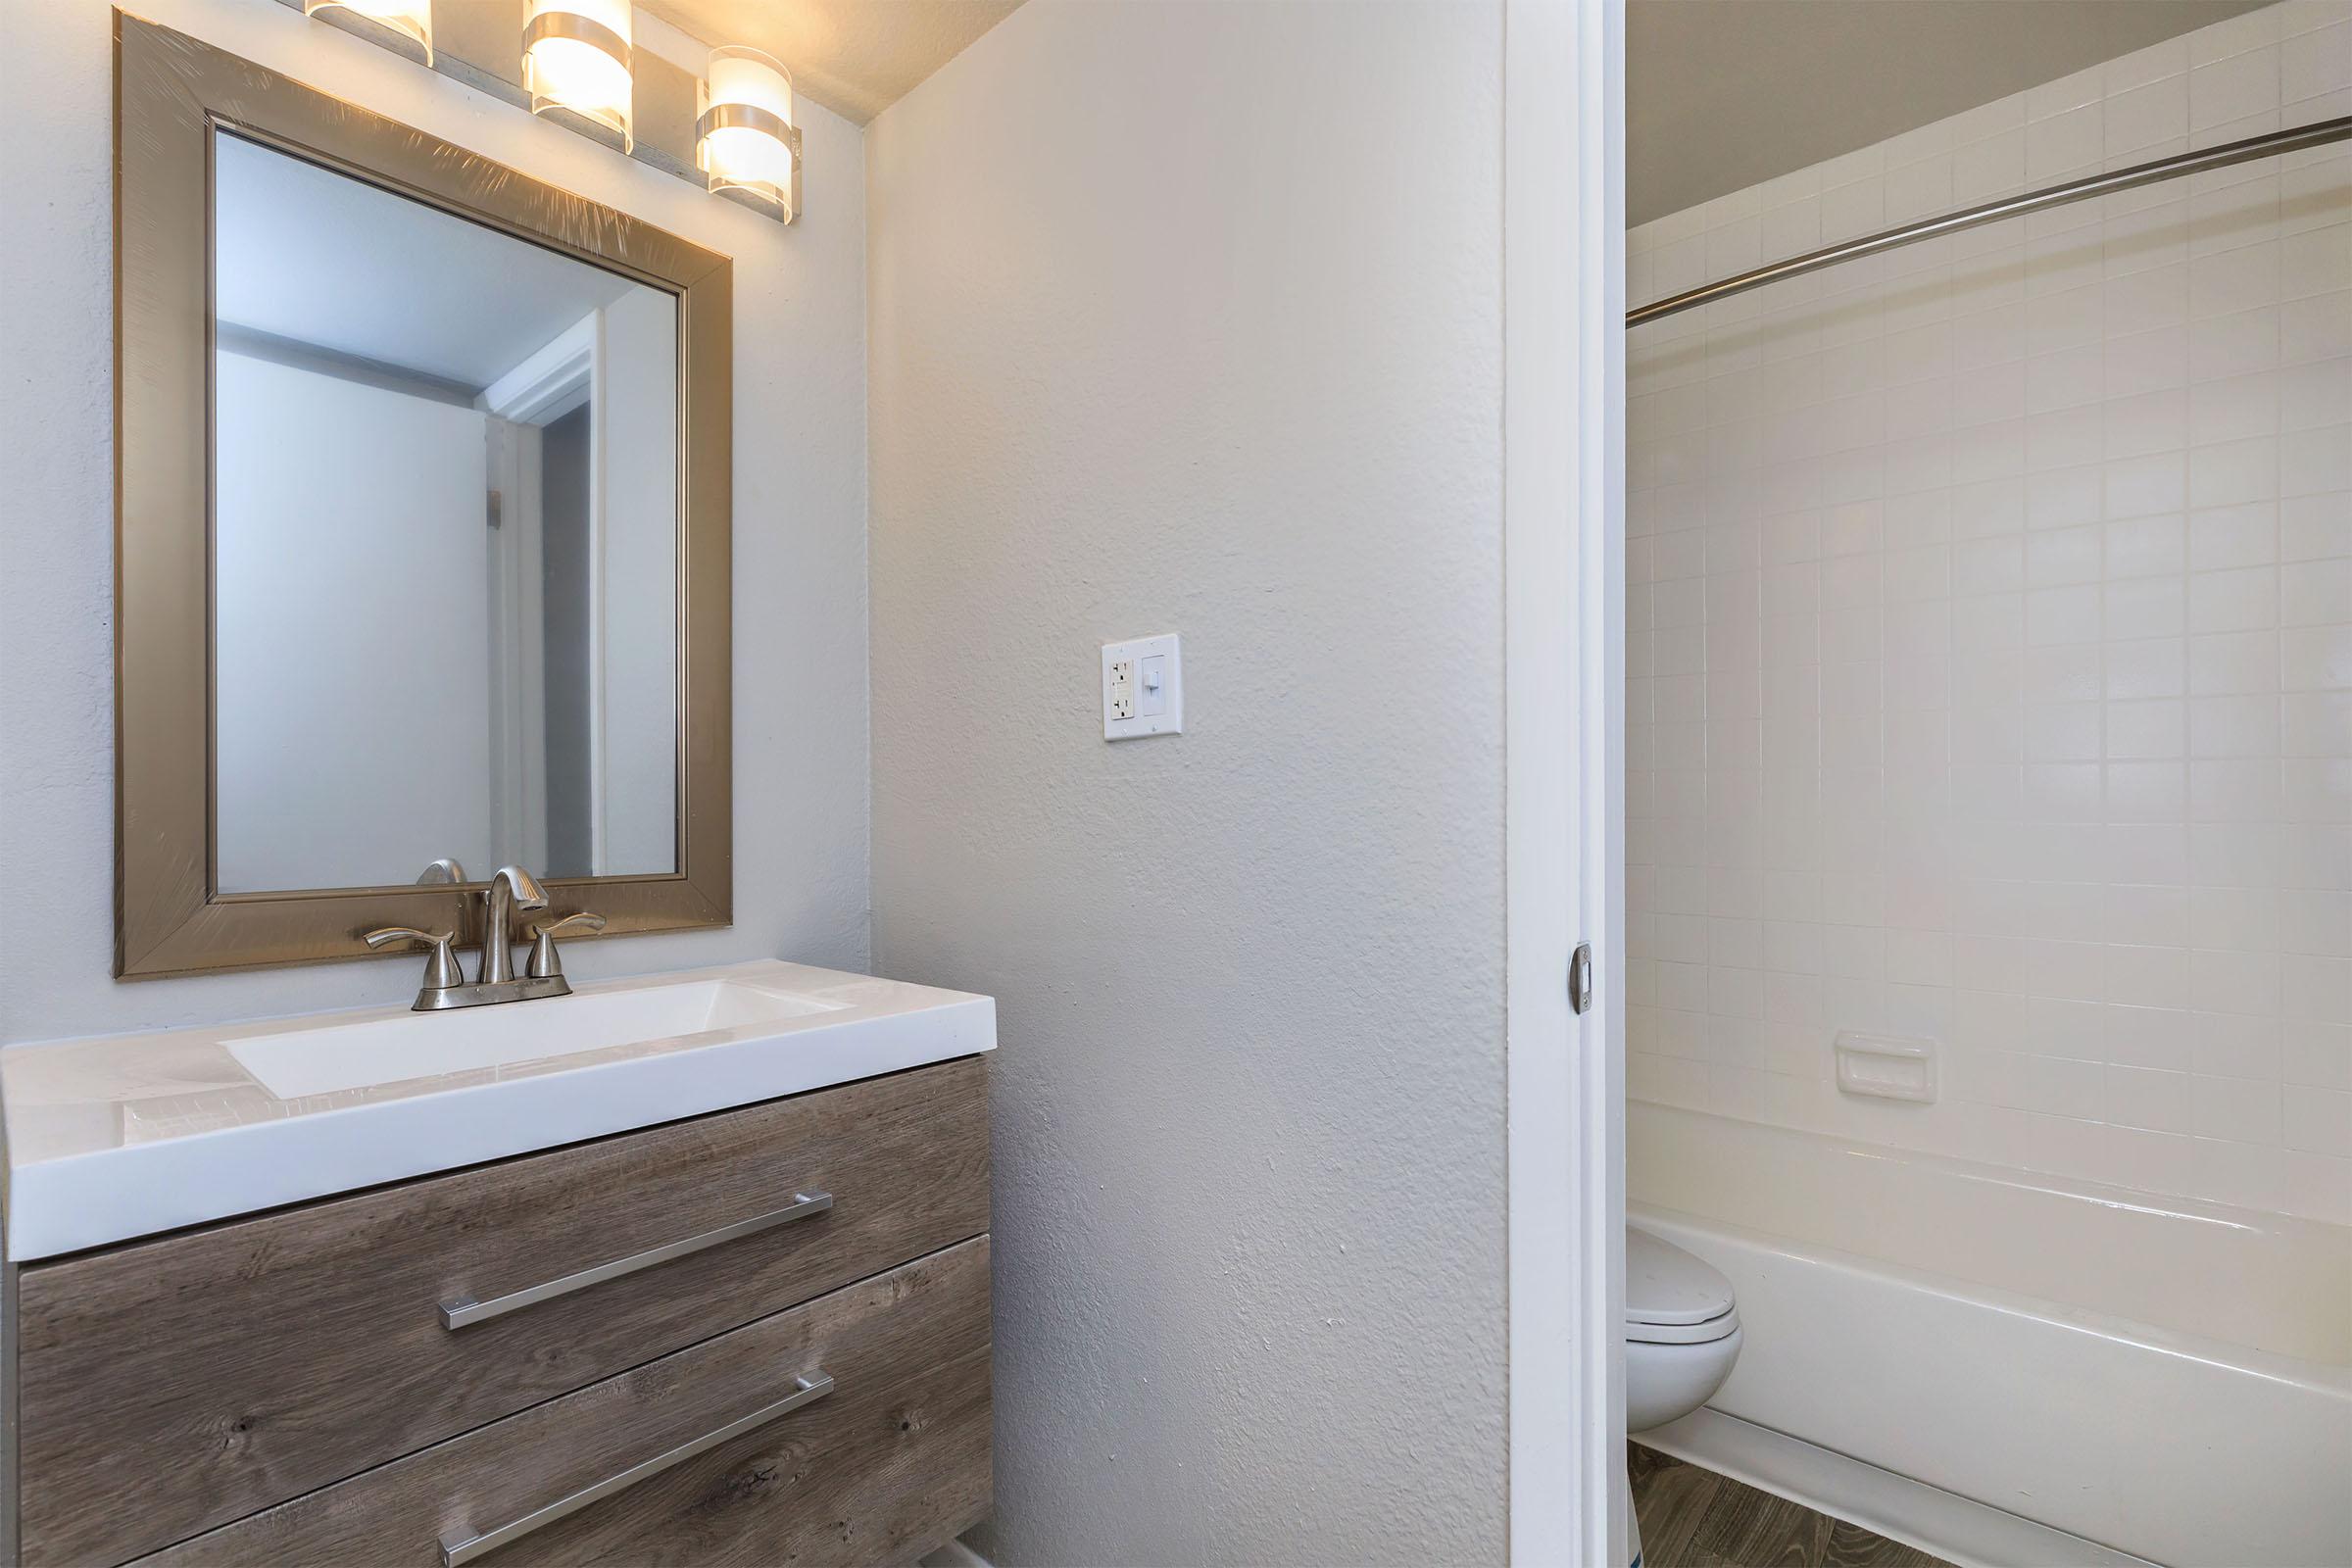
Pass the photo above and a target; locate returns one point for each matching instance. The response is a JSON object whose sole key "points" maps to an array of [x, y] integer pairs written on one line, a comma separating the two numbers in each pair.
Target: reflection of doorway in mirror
{"points": [[567, 551], [582, 592]]}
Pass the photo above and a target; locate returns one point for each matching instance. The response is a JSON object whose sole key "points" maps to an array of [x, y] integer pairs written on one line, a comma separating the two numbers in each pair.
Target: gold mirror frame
{"points": [[170, 93]]}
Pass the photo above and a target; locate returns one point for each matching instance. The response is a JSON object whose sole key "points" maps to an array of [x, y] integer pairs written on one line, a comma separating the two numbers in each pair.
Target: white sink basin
{"points": [[128, 1135], [428, 1045]]}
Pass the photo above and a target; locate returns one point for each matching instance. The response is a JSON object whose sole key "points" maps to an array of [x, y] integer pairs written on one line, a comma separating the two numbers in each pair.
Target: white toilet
{"points": [[1682, 1331], [1682, 1335]]}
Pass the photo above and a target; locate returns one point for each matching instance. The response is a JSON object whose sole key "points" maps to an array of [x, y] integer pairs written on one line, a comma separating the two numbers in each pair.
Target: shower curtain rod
{"points": [[2270, 144]]}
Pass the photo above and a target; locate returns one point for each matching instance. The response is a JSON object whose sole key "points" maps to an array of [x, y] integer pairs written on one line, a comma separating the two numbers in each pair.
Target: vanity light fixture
{"points": [[576, 58], [745, 140], [412, 20], [732, 132]]}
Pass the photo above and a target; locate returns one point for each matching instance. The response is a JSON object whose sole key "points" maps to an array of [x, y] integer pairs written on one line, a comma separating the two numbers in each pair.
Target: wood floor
{"points": [[1694, 1518]]}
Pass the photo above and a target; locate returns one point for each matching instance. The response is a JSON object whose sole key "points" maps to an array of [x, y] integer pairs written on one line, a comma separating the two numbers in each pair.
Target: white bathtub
{"points": [[2169, 1379]]}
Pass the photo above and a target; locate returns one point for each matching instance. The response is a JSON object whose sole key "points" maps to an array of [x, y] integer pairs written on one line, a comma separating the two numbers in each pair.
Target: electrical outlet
{"points": [[1143, 688]]}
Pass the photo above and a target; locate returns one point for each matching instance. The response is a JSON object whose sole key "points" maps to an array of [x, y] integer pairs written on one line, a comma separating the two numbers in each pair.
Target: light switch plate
{"points": [[1143, 688]]}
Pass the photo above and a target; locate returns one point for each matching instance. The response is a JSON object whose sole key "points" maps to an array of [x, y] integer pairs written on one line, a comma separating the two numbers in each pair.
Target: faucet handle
{"points": [[545, 962], [441, 970]]}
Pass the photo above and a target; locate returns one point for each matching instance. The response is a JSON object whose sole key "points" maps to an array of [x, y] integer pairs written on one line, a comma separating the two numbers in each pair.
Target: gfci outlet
{"points": [[1143, 688]]}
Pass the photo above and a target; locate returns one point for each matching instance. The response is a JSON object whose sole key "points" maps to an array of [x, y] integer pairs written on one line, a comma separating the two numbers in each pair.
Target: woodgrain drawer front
{"points": [[887, 1460], [234, 1367]]}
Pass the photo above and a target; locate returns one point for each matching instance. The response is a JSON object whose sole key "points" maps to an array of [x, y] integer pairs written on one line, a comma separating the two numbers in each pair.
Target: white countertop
{"points": [[127, 1135]]}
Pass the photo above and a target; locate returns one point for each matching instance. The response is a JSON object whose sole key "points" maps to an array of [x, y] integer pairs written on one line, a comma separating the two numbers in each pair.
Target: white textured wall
{"points": [[1187, 319], [1991, 639], [801, 794]]}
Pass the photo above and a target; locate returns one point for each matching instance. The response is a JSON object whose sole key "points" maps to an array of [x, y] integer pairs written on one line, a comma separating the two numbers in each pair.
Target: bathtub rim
{"points": [[2047, 1182], [2312, 1376], [2288, 1251]]}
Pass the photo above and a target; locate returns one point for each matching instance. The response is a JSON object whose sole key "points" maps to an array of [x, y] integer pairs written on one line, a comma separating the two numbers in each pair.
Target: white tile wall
{"points": [[1990, 618]]}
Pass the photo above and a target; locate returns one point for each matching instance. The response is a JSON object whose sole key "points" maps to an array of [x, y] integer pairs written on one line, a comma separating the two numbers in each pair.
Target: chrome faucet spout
{"points": [[510, 888]]}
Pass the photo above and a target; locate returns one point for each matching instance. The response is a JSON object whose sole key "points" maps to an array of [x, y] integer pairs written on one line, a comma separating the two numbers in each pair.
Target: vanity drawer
{"points": [[171, 1385], [885, 1462]]}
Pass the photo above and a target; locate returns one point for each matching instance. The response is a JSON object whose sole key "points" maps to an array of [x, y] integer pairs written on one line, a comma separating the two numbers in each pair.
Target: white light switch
{"points": [[1143, 688]]}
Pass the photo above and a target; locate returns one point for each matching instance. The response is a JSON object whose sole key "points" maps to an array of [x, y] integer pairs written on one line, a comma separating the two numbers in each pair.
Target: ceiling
{"points": [[855, 57], [320, 259], [1722, 94]]}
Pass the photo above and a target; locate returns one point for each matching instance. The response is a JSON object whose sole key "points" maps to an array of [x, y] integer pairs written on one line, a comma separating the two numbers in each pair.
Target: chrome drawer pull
{"points": [[465, 1309], [457, 1549]]}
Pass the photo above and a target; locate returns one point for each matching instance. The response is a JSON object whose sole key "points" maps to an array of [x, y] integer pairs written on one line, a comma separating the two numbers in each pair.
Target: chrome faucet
{"points": [[508, 888]]}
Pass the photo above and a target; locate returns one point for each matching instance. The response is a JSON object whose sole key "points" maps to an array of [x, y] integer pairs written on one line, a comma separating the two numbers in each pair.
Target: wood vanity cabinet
{"points": [[663, 1347]]}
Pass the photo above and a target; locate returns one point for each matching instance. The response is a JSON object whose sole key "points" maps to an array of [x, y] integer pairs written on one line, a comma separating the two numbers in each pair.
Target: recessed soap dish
{"points": [[1885, 1067]]}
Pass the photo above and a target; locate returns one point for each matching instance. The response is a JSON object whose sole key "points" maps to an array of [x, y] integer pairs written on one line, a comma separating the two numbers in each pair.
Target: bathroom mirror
{"points": [[422, 535], [444, 541]]}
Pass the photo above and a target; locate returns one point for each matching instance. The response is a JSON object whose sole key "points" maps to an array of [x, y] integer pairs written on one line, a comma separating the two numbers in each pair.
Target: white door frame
{"points": [[1564, 841], [567, 373]]}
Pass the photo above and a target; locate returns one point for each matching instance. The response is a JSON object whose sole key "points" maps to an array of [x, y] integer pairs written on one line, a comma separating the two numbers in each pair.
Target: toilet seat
{"points": [[1706, 1333], [1672, 1298]]}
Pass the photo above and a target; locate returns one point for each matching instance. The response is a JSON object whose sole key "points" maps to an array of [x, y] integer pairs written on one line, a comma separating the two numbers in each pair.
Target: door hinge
{"points": [[1580, 977]]}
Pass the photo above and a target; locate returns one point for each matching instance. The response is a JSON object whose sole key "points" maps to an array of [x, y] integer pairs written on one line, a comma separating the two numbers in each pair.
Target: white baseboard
{"points": [[1957, 1529], [956, 1554]]}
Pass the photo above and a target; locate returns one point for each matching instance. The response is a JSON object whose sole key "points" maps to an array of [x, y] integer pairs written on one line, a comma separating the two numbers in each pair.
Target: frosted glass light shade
{"points": [[575, 57], [411, 19], [746, 141]]}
